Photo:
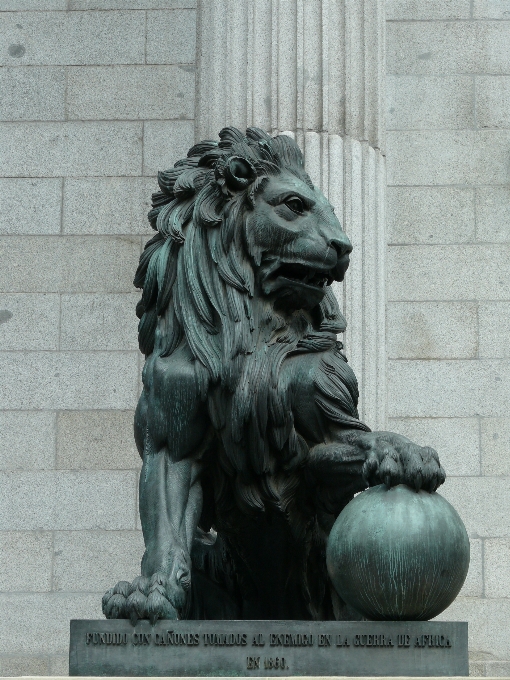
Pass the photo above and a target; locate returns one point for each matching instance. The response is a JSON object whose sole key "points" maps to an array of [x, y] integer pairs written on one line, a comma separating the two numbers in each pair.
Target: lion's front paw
{"points": [[393, 460], [144, 598]]}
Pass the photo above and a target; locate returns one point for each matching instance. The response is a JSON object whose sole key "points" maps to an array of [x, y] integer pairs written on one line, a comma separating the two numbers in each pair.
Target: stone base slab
{"points": [[269, 648]]}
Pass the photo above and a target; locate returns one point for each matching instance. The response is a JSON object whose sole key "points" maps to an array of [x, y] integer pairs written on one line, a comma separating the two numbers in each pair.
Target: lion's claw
{"points": [[433, 473], [370, 467], [106, 598], [136, 603], [392, 460], [390, 470], [159, 607], [115, 607], [142, 599], [136, 606]]}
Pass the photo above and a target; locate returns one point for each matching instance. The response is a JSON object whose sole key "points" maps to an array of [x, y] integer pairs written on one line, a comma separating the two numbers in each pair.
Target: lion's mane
{"points": [[198, 280]]}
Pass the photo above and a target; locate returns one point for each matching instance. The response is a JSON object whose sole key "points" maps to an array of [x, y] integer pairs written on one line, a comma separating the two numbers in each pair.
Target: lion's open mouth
{"points": [[301, 274]]}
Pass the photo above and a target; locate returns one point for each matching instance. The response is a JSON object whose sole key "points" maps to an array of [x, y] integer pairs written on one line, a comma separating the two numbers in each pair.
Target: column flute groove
{"points": [[314, 69]]}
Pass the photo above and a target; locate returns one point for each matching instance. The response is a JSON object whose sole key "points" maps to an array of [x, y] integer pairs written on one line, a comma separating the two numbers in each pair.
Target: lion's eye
{"points": [[295, 204]]}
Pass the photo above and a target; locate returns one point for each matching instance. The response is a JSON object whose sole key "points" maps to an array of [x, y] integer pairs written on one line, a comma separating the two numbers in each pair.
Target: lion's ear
{"points": [[239, 173]]}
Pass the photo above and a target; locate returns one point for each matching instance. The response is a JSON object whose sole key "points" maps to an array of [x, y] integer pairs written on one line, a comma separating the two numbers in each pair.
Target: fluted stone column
{"points": [[314, 69]]}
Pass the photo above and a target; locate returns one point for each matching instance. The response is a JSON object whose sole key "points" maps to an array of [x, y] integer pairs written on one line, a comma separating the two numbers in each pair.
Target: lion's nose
{"points": [[342, 246]]}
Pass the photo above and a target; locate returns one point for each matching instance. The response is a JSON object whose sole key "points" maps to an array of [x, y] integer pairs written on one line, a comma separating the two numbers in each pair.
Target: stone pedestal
{"points": [[268, 648], [314, 69]]}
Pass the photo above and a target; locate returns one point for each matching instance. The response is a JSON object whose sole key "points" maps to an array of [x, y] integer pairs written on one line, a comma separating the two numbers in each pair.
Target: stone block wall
{"points": [[96, 96], [448, 313]]}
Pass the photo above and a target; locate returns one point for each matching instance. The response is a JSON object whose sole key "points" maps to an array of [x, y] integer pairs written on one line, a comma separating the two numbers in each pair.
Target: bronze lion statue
{"points": [[247, 423]]}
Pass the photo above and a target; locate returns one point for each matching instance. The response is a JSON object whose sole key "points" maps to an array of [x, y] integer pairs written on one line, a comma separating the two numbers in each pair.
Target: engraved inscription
{"points": [[106, 638], [225, 639], [372, 641], [277, 663], [269, 648], [252, 663], [324, 640], [193, 639], [269, 663], [291, 640], [432, 641], [142, 638], [171, 638]]}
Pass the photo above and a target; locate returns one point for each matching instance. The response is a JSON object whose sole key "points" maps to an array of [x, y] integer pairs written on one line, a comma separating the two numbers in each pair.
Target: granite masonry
{"points": [[86, 120], [448, 309]]}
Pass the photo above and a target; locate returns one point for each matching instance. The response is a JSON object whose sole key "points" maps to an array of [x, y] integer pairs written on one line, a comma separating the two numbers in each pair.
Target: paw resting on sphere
{"points": [[144, 598], [395, 460]]}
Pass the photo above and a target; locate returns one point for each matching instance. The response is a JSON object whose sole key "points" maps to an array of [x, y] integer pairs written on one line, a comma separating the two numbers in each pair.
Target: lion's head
{"points": [[239, 223], [240, 271]]}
